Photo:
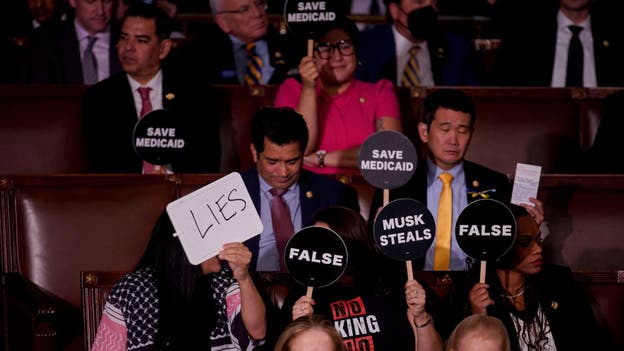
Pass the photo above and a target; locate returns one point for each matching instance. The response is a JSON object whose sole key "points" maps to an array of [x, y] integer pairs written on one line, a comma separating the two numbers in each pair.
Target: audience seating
{"points": [[42, 126], [605, 291], [54, 227]]}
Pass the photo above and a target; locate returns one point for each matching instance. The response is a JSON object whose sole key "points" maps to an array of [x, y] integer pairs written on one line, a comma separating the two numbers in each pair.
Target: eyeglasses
{"points": [[326, 50], [246, 9]]}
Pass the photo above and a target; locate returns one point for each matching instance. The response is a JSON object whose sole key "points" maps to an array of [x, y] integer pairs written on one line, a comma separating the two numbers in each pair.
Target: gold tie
{"points": [[411, 73], [253, 72], [442, 252]]}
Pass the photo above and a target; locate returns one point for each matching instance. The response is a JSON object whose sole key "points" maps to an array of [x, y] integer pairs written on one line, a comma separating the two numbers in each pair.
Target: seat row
{"points": [[53, 227], [552, 127]]}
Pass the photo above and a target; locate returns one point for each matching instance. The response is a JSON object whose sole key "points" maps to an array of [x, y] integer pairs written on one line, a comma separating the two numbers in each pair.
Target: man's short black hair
{"points": [[452, 99], [143, 10], [281, 126]]}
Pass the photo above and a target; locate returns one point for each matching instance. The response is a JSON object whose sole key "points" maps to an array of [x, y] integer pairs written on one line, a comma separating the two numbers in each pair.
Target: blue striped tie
{"points": [[253, 72], [411, 73]]}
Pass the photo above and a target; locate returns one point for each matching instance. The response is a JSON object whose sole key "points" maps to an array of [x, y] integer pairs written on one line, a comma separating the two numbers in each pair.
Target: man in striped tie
{"points": [[411, 52], [241, 48]]}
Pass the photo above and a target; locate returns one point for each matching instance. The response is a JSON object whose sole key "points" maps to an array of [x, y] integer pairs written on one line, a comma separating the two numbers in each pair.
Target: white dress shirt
{"points": [[101, 48], [561, 52], [403, 47]]}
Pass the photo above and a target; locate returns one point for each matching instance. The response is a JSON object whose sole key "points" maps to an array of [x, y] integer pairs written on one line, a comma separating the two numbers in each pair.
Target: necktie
{"points": [[574, 70], [374, 8], [146, 107], [283, 227], [89, 64], [411, 72], [253, 72], [442, 251]]}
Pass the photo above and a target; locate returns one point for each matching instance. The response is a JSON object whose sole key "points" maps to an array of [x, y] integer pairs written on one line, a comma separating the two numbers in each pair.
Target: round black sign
{"points": [[158, 138], [387, 159], [307, 17], [404, 229], [485, 229], [316, 256]]}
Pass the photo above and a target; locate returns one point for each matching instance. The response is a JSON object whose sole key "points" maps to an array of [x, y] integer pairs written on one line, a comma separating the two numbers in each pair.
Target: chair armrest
{"points": [[38, 319]]}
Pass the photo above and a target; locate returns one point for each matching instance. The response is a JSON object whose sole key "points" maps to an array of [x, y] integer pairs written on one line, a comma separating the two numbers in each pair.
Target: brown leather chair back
{"points": [[64, 225], [41, 130]]}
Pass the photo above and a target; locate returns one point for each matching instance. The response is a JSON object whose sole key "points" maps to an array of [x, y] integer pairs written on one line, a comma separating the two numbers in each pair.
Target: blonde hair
{"points": [[310, 322], [489, 328]]}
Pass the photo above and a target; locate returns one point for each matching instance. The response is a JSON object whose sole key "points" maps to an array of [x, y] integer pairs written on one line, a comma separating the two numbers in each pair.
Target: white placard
{"points": [[526, 183], [218, 213]]}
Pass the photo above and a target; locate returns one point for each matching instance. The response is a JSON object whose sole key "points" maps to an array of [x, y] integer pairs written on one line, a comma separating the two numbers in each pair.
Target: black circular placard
{"points": [[485, 229], [307, 17], [404, 229], [158, 137], [387, 159], [316, 256]]}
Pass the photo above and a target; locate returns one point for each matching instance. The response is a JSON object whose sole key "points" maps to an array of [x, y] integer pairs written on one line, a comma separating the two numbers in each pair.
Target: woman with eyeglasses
{"points": [[340, 111], [540, 305]]}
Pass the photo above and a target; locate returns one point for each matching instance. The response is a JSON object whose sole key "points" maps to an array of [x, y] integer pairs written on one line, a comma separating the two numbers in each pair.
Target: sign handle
{"points": [[410, 270], [386, 196], [482, 272], [309, 291], [310, 47]]}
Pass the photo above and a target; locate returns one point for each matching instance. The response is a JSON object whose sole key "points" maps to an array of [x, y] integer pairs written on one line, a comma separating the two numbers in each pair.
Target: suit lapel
{"points": [[72, 66], [113, 59], [307, 199], [389, 65]]}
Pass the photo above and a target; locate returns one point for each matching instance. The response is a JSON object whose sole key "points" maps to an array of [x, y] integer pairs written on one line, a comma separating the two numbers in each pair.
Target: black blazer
{"points": [[110, 117], [55, 54], [527, 52], [478, 179], [211, 57], [565, 305], [316, 192]]}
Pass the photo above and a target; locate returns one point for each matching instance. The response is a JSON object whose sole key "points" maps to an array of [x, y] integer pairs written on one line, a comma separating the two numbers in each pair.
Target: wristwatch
{"points": [[321, 156]]}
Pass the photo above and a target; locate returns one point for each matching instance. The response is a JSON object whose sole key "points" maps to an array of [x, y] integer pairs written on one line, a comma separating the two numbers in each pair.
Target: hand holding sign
{"points": [[485, 230], [158, 137], [315, 257], [219, 213], [404, 230], [307, 17]]}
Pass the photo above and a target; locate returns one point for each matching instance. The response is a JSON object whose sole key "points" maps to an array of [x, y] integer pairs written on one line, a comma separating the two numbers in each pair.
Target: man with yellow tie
{"points": [[445, 182]]}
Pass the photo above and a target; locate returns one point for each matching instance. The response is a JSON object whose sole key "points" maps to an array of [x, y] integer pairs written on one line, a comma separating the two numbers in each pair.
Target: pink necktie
{"points": [[283, 227], [146, 107]]}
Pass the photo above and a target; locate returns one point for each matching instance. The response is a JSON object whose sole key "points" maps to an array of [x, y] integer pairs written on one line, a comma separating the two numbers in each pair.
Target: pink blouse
{"points": [[346, 119]]}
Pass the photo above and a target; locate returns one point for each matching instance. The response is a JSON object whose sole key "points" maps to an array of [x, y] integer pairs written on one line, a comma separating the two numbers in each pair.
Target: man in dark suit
{"points": [[241, 30], [446, 130], [60, 51], [442, 58], [537, 53], [279, 137], [113, 106]]}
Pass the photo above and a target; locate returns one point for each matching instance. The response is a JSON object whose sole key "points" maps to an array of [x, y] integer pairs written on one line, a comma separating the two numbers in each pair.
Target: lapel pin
{"points": [[170, 96], [554, 305], [362, 100], [605, 43], [309, 194], [475, 183], [278, 54]]}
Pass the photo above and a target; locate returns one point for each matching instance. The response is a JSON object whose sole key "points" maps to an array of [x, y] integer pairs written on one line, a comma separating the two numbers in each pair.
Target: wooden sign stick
{"points": [[482, 272], [408, 264], [309, 291]]}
